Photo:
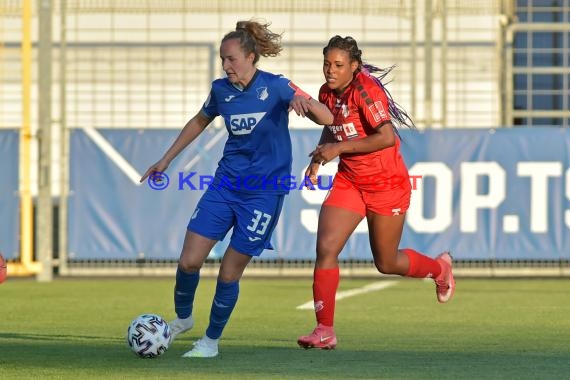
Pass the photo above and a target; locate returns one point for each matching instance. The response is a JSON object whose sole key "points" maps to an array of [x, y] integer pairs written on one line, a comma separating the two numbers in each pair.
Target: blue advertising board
{"points": [[499, 194]]}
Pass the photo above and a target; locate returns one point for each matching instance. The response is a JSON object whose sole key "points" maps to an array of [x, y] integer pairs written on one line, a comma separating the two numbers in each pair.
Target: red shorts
{"points": [[347, 195]]}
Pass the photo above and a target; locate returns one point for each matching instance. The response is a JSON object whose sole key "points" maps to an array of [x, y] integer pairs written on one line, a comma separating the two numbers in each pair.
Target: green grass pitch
{"points": [[492, 329]]}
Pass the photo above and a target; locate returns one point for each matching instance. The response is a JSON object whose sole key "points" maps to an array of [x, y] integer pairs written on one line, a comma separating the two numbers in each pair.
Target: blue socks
{"points": [[184, 291], [224, 302]]}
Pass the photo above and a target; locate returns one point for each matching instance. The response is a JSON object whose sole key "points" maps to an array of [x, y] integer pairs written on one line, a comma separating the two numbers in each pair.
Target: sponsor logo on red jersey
{"points": [[378, 112]]}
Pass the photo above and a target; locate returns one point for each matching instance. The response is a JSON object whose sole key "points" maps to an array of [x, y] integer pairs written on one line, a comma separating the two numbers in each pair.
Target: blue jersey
{"points": [[257, 155]]}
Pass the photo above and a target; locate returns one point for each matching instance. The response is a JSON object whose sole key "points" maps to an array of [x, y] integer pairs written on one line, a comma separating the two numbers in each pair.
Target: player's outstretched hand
{"points": [[311, 174], [325, 153], [301, 105], [160, 166]]}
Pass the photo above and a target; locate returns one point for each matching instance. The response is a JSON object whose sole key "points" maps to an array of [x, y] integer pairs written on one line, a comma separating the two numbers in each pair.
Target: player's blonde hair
{"points": [[255, 37]]}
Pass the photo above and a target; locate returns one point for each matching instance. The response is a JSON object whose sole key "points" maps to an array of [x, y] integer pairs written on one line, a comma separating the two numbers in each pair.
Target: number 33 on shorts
{"points": [[259, 224]]}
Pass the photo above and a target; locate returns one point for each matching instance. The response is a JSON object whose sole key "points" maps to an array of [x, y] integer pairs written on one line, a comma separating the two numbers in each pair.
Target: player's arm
{"points": [[305, 106], [191, 130], [327, 137], [373, 106], [313, 109], [382, 139]]}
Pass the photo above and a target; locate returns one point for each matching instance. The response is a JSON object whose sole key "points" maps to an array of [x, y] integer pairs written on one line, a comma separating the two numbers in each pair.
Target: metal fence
{"points": [[147, 64], [538, 53]]}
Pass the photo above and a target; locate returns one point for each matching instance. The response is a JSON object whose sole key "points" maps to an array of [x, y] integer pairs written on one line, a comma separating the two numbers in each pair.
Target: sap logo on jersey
{"points": [[245, 123]]}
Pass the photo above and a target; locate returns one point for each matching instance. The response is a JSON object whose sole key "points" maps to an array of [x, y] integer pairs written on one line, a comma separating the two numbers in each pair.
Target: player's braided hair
{"points": [[255, 37], [348, 44]]}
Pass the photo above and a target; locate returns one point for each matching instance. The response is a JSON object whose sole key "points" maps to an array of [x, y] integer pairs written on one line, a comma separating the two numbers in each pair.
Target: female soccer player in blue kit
{"points": [[255, 106]]}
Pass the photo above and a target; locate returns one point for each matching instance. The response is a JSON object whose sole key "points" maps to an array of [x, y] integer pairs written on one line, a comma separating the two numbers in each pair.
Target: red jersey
{"points": [[361, 108]]}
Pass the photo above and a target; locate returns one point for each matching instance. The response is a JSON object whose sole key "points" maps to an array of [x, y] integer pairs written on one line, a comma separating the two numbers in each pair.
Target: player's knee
{"points": [[188, 265], [230, 273], [326, 258], [326, 248], [228, 277], [386, 267]]}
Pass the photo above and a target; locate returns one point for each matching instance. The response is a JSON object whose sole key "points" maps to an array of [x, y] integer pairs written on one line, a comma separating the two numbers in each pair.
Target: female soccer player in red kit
{"points": [[372, 182]]}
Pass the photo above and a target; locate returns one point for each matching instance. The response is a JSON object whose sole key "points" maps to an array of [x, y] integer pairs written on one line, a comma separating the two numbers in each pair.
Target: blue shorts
{"points": [[252, 216]]}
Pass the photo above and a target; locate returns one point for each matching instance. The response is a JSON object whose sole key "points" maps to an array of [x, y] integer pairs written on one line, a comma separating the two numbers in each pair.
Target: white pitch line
{"points": [[113, 154], [353, 292]]}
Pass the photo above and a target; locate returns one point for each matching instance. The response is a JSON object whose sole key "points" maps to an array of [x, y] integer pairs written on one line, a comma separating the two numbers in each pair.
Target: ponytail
{"points": [[397, 113]]}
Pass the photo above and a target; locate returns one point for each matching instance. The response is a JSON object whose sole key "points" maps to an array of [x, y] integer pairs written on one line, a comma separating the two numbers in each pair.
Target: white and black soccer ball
{"points": [[148, 335]]}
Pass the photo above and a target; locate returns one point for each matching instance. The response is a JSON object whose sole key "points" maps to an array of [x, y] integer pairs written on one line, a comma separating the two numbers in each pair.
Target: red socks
{"points": [[421, 266], [325, 284]]}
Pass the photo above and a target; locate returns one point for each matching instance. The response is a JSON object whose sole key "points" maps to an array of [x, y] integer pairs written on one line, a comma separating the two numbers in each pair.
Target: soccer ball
{"points": [[148, 335]]}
